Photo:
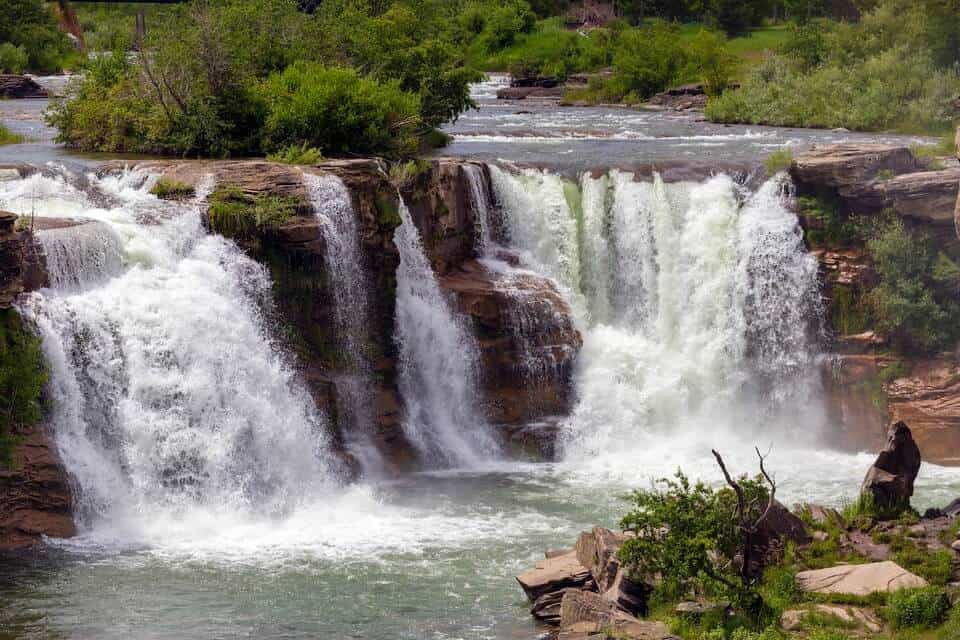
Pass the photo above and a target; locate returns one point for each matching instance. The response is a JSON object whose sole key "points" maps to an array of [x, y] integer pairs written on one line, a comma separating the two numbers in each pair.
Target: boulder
{"points": [[630, 595], [842, 166], [889, 482], [17, 86], [851, 617], [696, 609], [597, 551], [952, 510], [783, 525], [522, 93], [546, 608], [553, 574], [858, 579], [583, 613]]}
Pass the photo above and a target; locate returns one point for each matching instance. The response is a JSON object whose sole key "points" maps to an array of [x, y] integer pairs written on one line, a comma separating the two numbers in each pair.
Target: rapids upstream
{"points": [[209, 505]]}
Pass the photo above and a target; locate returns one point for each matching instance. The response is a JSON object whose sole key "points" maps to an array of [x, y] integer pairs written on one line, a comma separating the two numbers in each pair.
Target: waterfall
{"points": [[333, 204], [82, 255], [698, 307], [168, 395], [438, 356], [481, 207]]}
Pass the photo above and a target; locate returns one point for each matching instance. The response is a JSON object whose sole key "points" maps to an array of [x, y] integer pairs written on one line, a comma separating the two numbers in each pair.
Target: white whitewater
{"points": [[348, 280], [169, 397], [698, 310], [438, 361]]}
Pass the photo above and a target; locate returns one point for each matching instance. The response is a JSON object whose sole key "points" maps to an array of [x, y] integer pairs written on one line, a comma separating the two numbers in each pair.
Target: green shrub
{"points": [[297, 154], [934, 566], [778, 161], [9, 137], [168, 189], [337, 111], [904, 304], [22, 376], [648, 60], [923, 608], [31, 26], [13, 58]]}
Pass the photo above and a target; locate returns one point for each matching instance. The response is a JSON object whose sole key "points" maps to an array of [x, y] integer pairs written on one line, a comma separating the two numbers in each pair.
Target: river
{"points": [[426, 556]]}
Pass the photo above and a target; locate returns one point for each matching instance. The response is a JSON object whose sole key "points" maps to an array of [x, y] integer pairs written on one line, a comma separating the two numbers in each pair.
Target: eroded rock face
{"points": [[928, 399], [890, 480], [35, 495], [926, 196], [17, 86], [842, 166], [527, 341], [554, 574]]}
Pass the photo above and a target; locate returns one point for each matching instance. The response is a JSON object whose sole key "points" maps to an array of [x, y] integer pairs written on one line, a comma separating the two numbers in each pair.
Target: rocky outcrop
{"points": [[848, 166], [17, 86], [928, 399], [858, 579], [859, 618], [686, 97], [554, 574], [35, 495], [889, 482]]}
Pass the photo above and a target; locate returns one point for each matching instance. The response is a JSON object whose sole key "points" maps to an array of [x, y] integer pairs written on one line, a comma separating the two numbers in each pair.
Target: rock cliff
{"points": [[523, 326], [869, 384]]}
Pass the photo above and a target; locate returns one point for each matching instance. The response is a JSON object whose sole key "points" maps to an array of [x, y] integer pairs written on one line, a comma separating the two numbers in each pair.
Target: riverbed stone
{"points": [[858, 579], [553, 574], [583, 612], [13, 85]]}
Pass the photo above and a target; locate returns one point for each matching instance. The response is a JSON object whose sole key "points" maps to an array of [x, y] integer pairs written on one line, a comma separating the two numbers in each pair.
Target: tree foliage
{"points": [[30, 24], [22, 376]]}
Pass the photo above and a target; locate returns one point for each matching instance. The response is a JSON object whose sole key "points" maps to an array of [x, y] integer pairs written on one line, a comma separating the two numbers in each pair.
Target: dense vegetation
{"points": [[31, 41], [894, 69], [22, 376], [687, 536], [237, 77]]}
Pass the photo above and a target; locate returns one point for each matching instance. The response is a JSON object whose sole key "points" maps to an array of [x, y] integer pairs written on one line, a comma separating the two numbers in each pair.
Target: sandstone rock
{"points": [[546, 608], [843, 165], [859, 579], [696, 609], [855, 617], [890, 480], [820, 514], [928, 399], [583, 612], [849, 382], [528, 344], [783, 525], [553, 574], [35, 496], [17, 86], [927, 196], [630, 596], [597, 551], [955, 546]]}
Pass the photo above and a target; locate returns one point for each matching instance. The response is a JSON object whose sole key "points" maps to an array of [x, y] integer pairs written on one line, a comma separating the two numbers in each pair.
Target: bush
{"points": [[648, 60], [337, 111], [923, 608], [31, 26], [13, 59], [295, 154], [778, 161], [903, 304]]}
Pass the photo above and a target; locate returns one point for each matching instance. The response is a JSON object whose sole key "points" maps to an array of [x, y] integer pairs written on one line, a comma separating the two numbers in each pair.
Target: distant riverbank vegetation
{"points": [[31, 41], [239, 77]]}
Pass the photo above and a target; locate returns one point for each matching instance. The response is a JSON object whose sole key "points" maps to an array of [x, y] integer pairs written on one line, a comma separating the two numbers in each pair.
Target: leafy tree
{"points": [[698, 538], [31, 24], [647, 60], [714, 63]]}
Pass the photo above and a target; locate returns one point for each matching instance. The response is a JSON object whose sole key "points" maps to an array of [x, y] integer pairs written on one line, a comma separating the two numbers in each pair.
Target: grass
{"points": [[168, 189], [235, 214], [930, 154], [778, 161], [9, 137]]}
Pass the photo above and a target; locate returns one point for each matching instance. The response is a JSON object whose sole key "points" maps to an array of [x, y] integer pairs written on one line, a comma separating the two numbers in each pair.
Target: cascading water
{"points": [[348, 279], [438, 356], [696, 307], [168, 394]]}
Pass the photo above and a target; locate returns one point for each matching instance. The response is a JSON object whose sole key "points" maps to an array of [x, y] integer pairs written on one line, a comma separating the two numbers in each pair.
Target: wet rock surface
{"points": [[18, 86]]}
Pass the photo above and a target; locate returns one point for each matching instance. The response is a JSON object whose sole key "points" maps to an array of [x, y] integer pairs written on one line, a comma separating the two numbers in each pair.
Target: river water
{"points": [[198, 521]]}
